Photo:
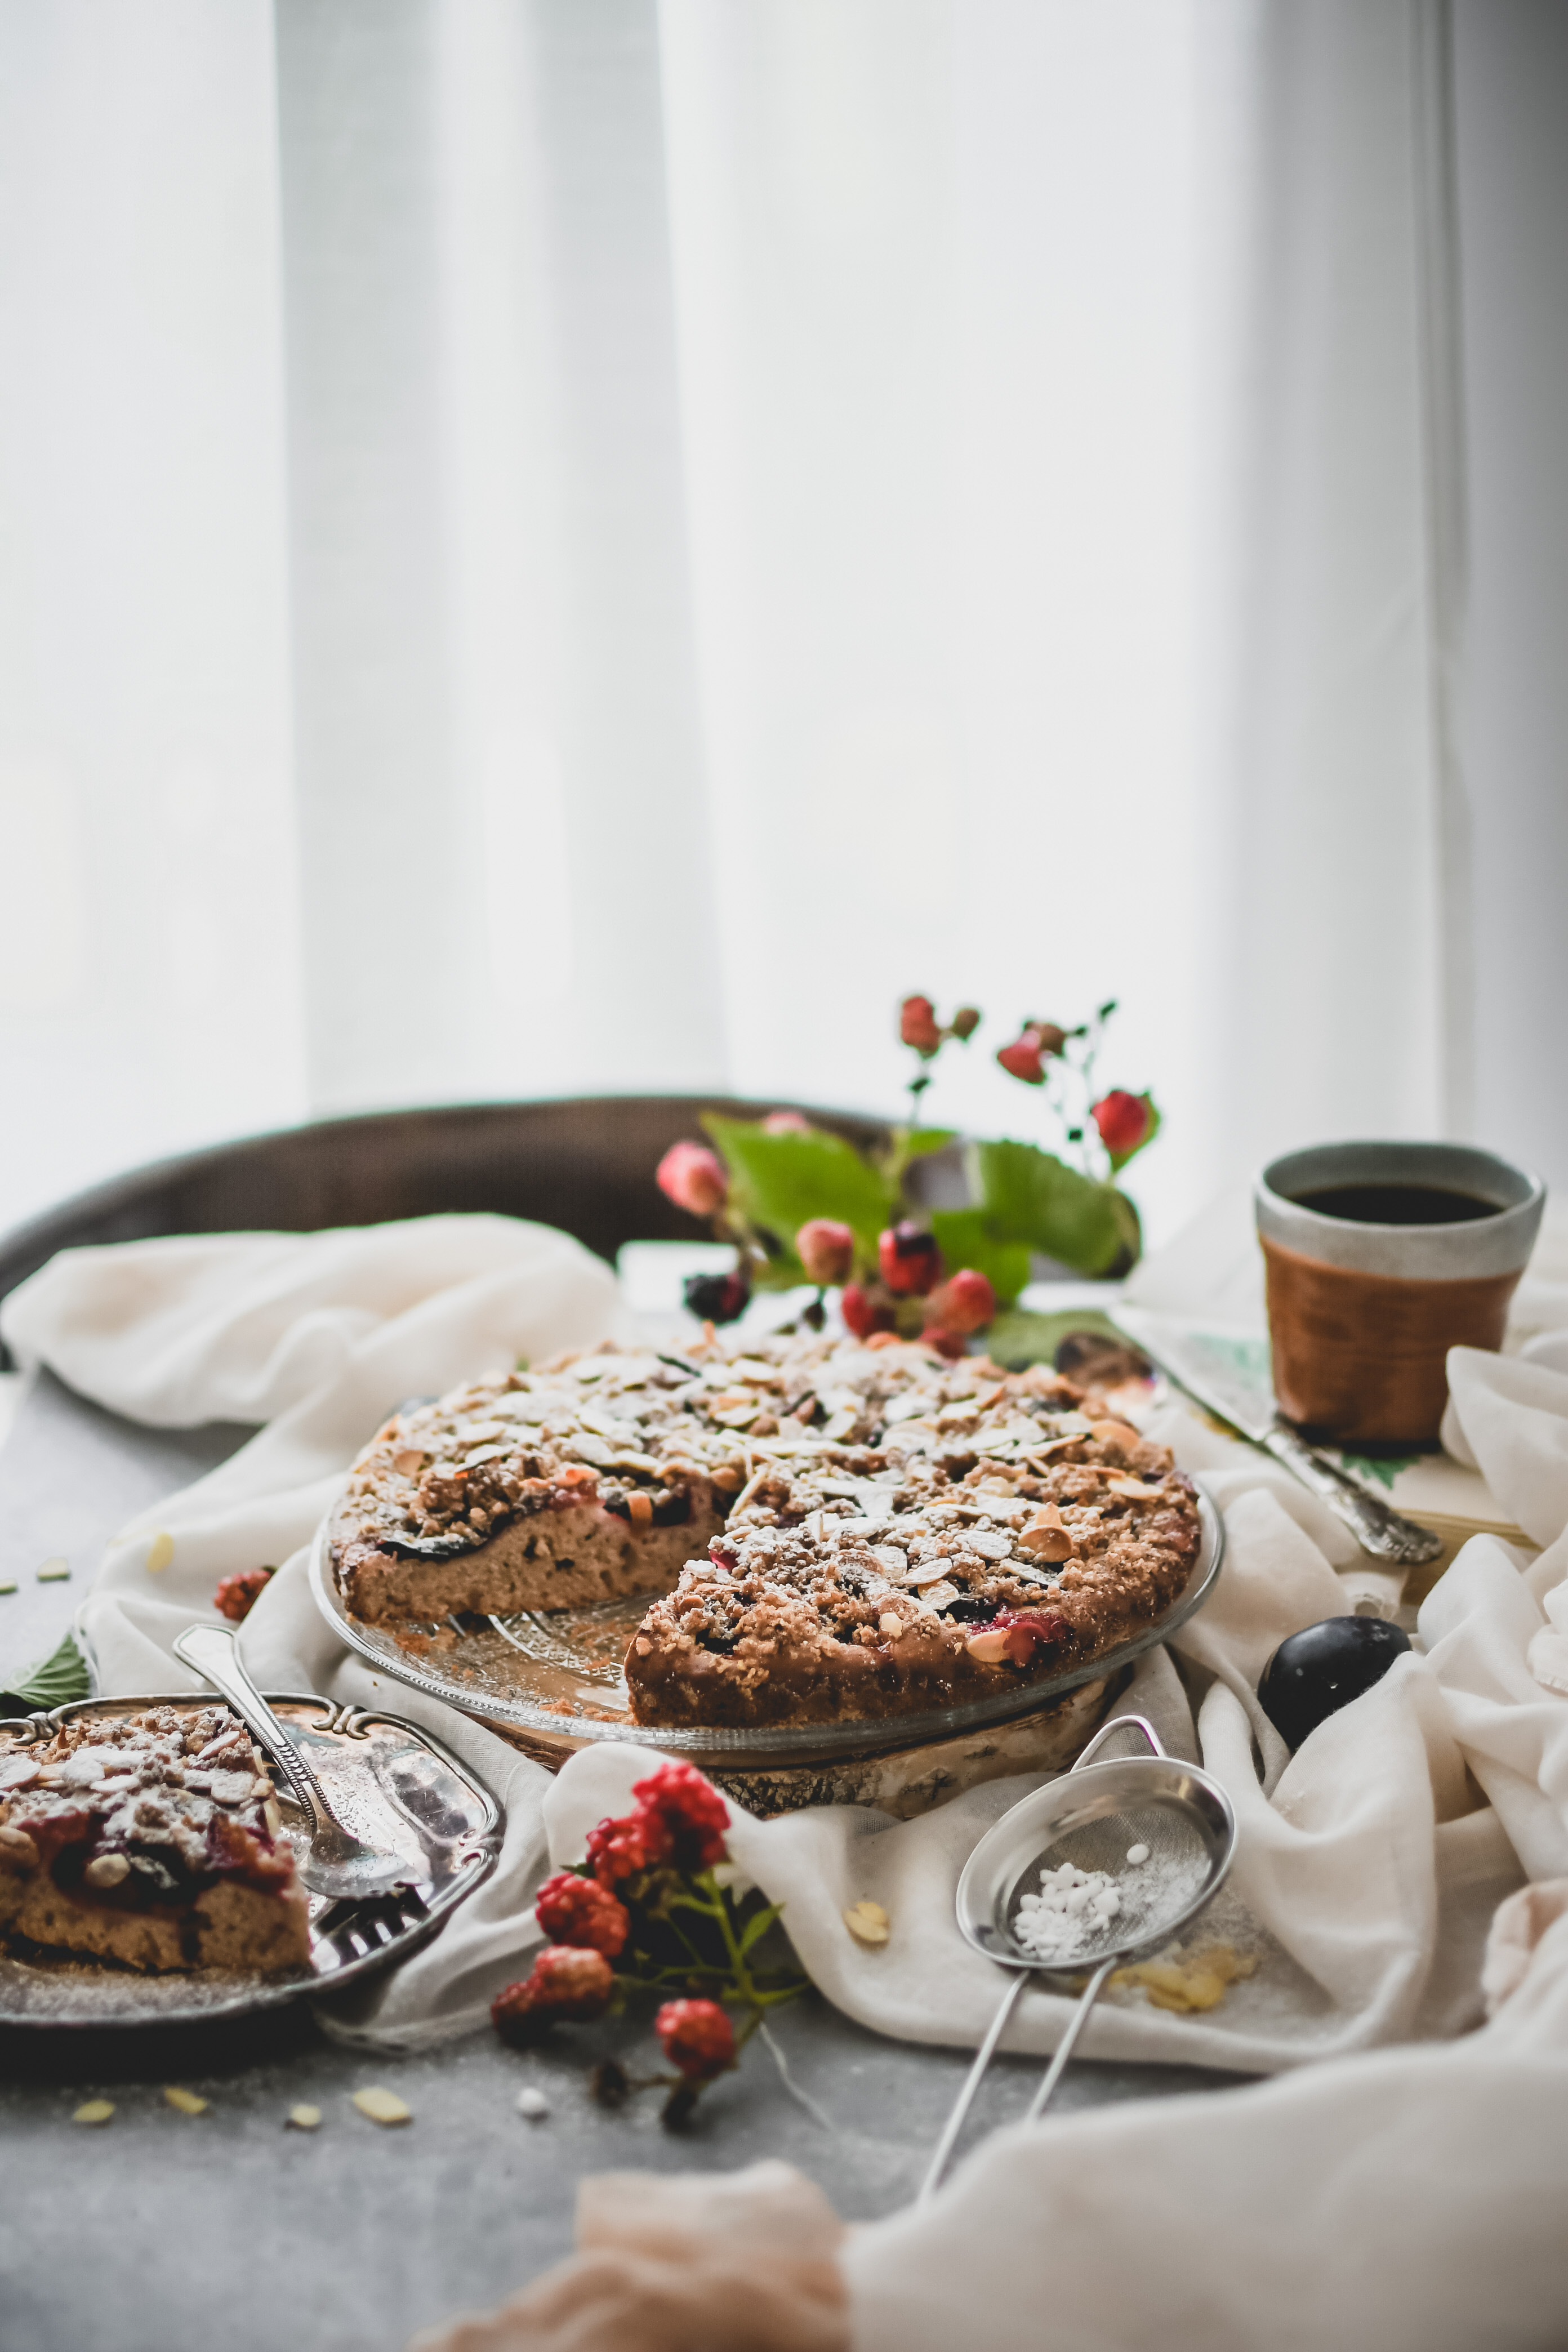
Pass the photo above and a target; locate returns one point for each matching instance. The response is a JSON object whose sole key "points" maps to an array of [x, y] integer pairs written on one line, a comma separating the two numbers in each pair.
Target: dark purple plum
{"points": [[1316, 1672]]}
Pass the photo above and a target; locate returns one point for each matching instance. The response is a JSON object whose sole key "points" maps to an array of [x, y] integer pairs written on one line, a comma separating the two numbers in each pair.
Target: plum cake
{"points": [[826, 1530], [151, 1840]]}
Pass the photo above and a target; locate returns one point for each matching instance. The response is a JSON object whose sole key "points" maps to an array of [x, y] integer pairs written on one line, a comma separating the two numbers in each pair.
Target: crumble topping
{"points": [[141, 1810], [887, 1519]]}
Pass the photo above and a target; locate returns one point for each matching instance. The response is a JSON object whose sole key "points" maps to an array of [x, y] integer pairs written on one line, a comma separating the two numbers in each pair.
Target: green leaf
{"points": [[58, 1679], [1021, 1338], [781, 1180], [1028, 1195], [965, 1237], [914, 1144], [755, 1929]]}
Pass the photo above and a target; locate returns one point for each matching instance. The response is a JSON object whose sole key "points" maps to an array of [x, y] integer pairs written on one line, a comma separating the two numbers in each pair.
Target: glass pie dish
{"points": [[551, 1681]]}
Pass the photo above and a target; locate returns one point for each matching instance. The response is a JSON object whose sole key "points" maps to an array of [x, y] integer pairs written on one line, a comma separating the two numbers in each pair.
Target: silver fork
{"points": [[335, 1864]]}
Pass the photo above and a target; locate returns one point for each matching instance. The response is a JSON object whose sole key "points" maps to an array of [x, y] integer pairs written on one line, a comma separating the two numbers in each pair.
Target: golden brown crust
{"points": [[910, 1534], [587, 1478]]}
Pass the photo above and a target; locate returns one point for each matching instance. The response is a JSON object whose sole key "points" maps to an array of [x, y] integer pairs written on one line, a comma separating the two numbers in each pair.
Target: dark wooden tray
{"points": [[586, 1166]]}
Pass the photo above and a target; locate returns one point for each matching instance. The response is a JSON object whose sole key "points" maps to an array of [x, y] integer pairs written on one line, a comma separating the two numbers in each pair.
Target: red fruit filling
{"points": [[1028, 1630]]}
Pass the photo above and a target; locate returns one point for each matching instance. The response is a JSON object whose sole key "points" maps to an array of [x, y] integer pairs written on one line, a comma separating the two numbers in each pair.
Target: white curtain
{"points": [[577, 545]]}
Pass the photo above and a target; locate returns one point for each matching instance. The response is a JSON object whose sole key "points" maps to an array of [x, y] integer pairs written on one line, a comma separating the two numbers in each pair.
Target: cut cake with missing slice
{"points": [[826, 1530]]}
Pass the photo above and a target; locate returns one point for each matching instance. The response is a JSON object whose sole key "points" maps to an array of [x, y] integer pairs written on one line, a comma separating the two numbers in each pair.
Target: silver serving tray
{"points": [[396, 1785], [555, 1676]]}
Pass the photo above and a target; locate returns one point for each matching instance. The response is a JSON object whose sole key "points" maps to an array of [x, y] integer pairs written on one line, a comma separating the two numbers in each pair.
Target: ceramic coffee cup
{"points": [[1380, 1258]]}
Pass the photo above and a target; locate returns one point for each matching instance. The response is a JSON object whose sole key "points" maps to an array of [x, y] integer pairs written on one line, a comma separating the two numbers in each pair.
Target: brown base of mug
{"points": [[1361, 1359]]}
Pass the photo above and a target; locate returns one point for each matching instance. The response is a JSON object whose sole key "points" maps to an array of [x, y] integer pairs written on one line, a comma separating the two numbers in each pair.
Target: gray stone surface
{"points": [[165, 2232]]}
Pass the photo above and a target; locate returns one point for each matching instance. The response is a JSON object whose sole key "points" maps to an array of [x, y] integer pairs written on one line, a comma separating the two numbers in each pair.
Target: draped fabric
{"points": [[572, 545]]}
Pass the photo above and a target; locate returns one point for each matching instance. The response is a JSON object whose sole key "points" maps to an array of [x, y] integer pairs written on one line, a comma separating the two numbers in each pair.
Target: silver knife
{"points": [[1231, 1378]]}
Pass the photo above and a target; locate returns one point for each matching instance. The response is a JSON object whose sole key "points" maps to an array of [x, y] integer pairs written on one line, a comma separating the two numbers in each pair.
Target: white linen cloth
{"points": [[1410, 2200], [1367, 1870]]}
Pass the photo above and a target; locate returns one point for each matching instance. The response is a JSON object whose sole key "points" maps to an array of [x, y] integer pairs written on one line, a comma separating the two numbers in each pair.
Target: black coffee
{"points": [[1399, 1204]]}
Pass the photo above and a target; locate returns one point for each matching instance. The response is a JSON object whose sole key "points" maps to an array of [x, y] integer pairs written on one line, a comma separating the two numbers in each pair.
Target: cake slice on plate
{"points": [[151, 1840]]}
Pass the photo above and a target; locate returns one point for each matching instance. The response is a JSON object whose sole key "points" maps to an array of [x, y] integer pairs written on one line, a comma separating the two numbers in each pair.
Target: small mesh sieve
{"points": [[1091, 1817]]}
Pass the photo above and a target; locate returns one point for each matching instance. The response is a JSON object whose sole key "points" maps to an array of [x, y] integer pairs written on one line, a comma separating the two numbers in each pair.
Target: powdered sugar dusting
{"points": [[1077, 1913]]}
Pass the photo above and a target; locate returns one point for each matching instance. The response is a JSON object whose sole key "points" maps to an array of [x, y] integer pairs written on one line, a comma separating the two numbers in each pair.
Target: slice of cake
{"points": [[597, 1475], [151, 1840], [993, 1535]]}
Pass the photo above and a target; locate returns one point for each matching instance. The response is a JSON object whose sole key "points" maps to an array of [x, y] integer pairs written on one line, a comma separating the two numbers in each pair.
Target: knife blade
{"points": [[1231, 1376]]}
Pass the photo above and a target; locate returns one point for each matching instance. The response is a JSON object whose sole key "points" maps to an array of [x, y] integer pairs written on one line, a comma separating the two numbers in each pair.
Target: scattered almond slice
{"points": [[890, 1624], [1188, 1985], [304, 2118], [383, 2107], [1047, 1533], [160, 1552], [94, 2111], [868, 1922], [187, 2102], [1134, 1487], [987, 1649], [1113, 1433]]}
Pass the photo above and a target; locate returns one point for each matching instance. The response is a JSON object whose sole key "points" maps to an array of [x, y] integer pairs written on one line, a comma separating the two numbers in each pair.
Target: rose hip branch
{"points": [[801, 1206]]}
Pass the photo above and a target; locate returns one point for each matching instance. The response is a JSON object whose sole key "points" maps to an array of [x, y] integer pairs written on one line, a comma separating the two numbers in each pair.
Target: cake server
{"points": [[1220, 1375], [335, 1864], [1092, 1816]]}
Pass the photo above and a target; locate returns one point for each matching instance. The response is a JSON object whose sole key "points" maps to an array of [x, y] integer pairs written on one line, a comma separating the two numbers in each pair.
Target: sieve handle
{"points": [[976, 2075], [1120, 1723], [1087, 2000]]}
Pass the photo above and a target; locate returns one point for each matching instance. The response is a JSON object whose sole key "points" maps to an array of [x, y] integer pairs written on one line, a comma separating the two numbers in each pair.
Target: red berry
{"points": [[697, 2036], [918, 1025], [580, 1912], [237, 1596], [693, 1178], [965, 1021], [826, 1249], [693, 1814], [965, 1302], [1123, 1121], [951, 1344], [621, 1848], [862, 1313], [1022, 1059], [910, 1260], [568, 1987], [786, 1122]]}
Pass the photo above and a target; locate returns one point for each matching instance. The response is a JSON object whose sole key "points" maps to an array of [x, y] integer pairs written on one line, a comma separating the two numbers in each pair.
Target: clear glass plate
{"points": [[556, 1675]]}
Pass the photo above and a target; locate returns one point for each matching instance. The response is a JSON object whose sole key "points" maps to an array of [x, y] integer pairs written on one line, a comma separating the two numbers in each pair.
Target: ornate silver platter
{"points": [[551, 1681], [391, 1782]]}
